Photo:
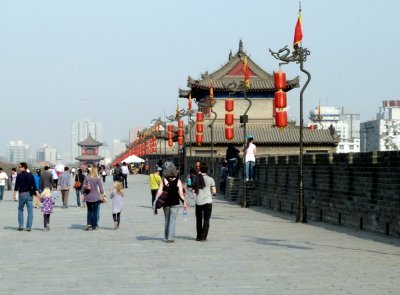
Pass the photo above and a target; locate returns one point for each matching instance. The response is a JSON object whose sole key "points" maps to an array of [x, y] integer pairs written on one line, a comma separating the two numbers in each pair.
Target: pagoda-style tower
{"points": [[90, 151], [261, 123]]}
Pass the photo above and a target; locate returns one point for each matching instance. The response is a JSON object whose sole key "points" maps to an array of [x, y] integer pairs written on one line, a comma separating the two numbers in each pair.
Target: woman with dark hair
{"points": [[79, 178], [232, 155], [171, 184], [204, 204], [250, 158]]}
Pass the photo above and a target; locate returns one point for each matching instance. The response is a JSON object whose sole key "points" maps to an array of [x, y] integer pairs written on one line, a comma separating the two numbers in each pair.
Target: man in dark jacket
{"points": [[26, 188], [46, 179]]}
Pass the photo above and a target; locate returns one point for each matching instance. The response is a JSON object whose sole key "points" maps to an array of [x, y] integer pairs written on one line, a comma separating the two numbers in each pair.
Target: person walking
{"points": [[25, 187], [55, 177], [117, 173], [171, 184], [3, 179], [125, 173], [204, 204], [79, 178], [116, 197], [104, 174], [155, 180], [250, 157], [47, 207], [232, 155], [37, 182], [46, 179], [92, 188], [64, 183], [13, 180]]}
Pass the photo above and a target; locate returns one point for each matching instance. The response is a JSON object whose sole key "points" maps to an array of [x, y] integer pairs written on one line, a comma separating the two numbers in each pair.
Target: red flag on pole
{"points": [[246, 73], [298, 32]]}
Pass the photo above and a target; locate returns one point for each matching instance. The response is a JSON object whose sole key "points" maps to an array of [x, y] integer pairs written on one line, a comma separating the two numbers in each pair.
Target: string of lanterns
{"points": [[280, 100], [229, 118]]}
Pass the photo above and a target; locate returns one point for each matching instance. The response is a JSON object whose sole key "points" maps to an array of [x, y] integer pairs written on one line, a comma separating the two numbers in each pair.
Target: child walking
{"points": [[116, 196], [47, 201]]}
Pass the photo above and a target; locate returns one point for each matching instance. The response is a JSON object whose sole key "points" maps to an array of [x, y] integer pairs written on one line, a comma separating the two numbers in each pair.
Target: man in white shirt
{"points": [[3, 178], [125, 173], [55, 176]]}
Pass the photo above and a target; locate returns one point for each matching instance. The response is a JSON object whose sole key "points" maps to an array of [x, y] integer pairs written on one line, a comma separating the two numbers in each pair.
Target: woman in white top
{"points": [[250, 154]]}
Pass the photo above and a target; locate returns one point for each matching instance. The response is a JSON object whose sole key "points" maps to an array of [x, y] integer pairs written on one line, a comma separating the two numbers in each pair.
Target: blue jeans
{"points": [[250, 170], [92, 213], [25, 198], [1, 192], [78, 197], [170, 214], [232, 167]]}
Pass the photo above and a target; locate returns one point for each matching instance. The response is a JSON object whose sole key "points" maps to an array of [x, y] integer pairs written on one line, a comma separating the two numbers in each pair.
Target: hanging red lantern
{"points": [[199, 128], [170, 142], [280, 79], [229, 104], [199, 138], [229, 134], [229, 119], [200, 116], [180, 124], [170, 128], [180, 132], [180, 140], [281, 119], [170, 135], [280, 100]]}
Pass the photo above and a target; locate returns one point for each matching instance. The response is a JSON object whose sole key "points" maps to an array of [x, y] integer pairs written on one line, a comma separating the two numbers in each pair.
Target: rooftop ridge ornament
{"points": [[241, 46]]}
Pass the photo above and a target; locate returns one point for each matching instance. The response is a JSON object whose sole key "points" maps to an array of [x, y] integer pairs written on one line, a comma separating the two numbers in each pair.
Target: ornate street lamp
{"points": [[299, 56]]}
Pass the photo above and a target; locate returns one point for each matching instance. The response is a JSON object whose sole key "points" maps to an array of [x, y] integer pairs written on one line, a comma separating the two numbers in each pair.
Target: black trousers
{"points": [[125, 180], [153, 195], [46, 219], [117, 217], [203, 215]]}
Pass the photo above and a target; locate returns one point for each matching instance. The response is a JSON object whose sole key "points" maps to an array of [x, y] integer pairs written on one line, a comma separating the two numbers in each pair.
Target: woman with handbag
{"points": [[79, 178], [172, 186], [92, 190]]}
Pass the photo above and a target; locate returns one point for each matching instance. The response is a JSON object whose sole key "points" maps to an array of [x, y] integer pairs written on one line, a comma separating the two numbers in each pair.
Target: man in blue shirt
{"points": [[26, 188]]}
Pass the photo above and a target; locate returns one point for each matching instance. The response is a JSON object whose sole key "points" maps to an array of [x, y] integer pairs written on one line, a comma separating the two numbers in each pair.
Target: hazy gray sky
{"points": [[122, 62]]}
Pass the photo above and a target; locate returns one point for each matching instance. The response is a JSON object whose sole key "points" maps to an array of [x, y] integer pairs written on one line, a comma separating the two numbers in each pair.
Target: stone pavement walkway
{"points": [[249, 251]]}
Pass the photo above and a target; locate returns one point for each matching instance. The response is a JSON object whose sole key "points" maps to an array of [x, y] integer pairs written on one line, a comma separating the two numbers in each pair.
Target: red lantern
{"points": [[170, 142], [180, 124], [281, 119], [280, 79], [180, 140], [229, 104], [199, 138], [229, 134], [170, 128], [280, 100], [229, 119], [313, 126], [199, 127], [200, 116], [180, 132], [170, 135]]}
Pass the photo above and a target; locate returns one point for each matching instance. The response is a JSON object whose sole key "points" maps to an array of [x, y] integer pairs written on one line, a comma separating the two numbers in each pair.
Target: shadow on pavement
{"points": [[279, 243], [147, 238]]}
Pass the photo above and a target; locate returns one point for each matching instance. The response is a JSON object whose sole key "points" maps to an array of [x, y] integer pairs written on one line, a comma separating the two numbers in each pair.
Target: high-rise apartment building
{"points": [[17, 152], [47, 154], [80, 131], [382, 134], [347, 126], [118, 147]]}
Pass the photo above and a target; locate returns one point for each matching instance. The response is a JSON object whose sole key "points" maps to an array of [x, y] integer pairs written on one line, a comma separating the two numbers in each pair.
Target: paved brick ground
{"points": [[250, 251]]}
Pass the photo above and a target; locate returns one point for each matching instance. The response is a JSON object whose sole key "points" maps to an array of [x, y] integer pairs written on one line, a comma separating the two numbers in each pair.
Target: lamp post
{"points": [[210, 104], [299, 56], [234, 87]]}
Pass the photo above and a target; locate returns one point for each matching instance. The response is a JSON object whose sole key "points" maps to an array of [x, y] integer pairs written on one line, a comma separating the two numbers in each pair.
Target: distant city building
{"points": [[347, 126], [382, 134], [17, 152], [80, 131], [105, 152], [118, 147], [133, 132], [47, 154]]}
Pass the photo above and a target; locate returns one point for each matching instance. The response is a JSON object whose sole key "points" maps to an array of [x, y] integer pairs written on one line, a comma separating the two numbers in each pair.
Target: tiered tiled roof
{"points": [[232, 71], [269, 136], [89, 158], [90, 141]]}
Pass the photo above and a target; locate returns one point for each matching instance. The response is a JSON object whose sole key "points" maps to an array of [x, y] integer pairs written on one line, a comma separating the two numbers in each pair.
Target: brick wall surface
{"points": [[360, 190]]}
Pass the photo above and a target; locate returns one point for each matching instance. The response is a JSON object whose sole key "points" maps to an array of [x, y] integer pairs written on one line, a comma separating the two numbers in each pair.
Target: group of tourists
{"points": [[41, 190], [173, 192]]}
